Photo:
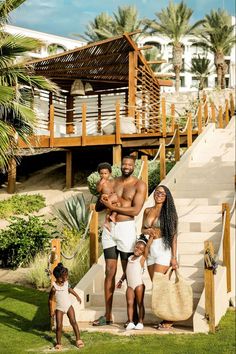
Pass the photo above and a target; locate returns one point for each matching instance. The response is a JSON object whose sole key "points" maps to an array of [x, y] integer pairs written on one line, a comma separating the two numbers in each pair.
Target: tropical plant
{"points": [[55, 49], [201, 68], [151, 55], [217, 35], [23, 239], [104, 26], [75, 215], [21, 204], [173, 22], [17, 84]]}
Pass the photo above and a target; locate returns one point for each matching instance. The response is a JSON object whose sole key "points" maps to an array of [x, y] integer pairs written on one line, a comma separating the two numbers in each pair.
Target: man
{"points": [[122, 235]]}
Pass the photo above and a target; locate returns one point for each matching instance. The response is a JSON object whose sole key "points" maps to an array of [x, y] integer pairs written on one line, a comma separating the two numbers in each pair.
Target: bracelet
{"points": [[173, 257]]}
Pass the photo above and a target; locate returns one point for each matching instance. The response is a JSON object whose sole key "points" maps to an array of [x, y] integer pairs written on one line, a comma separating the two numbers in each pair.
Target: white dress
{"points": [[63, 300]]}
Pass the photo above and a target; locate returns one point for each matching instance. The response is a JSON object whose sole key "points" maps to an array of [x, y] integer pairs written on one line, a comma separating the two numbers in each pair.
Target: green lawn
{"points": [[24, 329]]}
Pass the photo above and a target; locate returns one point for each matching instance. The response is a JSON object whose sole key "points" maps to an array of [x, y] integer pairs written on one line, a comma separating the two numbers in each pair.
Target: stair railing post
{"points": [[220, 118], [172, 117], [93, 234], [226, 244], [177, 143], [209, 283], [232, 108], [199, 118], [205, 111], [84, 132], [162, 159], [226, 112], [163, 116], [144, 172], [189, 130], [213, 113]]}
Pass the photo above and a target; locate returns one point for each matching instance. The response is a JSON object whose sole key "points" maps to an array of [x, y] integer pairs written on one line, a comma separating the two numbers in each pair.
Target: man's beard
{"points": [[126, 174]]}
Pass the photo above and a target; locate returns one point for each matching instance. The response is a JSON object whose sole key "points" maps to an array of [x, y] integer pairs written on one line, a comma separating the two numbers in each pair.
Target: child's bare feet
{"points": [[58, 347], [79, 344]]}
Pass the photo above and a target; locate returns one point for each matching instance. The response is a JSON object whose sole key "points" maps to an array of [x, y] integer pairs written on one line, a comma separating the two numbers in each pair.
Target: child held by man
{"points": [[105, 186], [61, 291]]}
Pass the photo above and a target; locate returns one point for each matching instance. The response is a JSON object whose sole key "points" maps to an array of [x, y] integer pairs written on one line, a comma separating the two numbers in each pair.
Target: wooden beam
{"points": [[51, 125], [209, 290], [116, 155], [226, 244], [11, 185], [177, 143], [132, 82], [84, 133], [162, 159], [163, 116], [164, 74], [156, 61], [144, 173], [69, 181], [168, 83], [145, 47], [69, 114], [189, 130]]}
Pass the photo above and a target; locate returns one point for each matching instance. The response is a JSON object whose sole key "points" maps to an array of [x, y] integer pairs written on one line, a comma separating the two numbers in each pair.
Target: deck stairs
{"points": [[200, 182]]}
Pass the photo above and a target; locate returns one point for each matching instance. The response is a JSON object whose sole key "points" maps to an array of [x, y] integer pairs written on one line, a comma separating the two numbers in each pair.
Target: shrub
{"points": [[37, 274], [21, 204], [153, 175], [23, 239], [76, 215]]}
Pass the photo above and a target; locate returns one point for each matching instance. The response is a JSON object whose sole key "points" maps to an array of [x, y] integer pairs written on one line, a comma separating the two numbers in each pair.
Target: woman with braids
{"points": [[160, 223]]}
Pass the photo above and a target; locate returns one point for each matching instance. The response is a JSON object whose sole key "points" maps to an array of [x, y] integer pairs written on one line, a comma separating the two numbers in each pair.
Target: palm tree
{"points": [[105, 26], [201, 69], [17, 85], [217, 35], [173, 22]]}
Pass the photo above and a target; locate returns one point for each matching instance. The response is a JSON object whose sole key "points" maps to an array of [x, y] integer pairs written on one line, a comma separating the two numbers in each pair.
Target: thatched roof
{"points": [[104, 64]]}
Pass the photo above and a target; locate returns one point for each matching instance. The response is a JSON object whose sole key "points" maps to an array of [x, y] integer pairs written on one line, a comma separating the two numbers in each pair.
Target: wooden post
{"points": [[226, 112], [138, 122], [204, 97], [84, 133], [220, 118], [177, 143], [213, 113], [144, 174], [199, 118], [132, 82], [69, 114], [11, 185], [205, 112], [189, 130], [93, 228], [172, 109], [162, 159], [226, 244], [53, 262], [69, 174], [163, 116], [232, 108], [51, 124], [99, 126], [116, 149], [118, 141], [209, 290]]}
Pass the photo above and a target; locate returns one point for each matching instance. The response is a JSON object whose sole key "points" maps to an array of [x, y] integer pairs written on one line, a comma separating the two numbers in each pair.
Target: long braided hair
{"points": [[168, 218]]}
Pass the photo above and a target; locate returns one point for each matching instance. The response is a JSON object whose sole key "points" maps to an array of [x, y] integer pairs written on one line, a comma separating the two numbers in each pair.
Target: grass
{"points": [[24, 328]]}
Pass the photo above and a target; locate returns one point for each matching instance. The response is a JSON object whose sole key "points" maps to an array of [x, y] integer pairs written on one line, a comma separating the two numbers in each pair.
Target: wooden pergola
{"points": [[113, 68]]}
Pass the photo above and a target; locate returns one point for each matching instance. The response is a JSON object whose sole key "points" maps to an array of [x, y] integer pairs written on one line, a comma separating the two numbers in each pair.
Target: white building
{"points": [[52, 44], [188, 81]]}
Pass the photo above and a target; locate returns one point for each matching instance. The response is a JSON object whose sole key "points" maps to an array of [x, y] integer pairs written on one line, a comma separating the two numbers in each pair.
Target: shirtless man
{"points": [[122, 235]]}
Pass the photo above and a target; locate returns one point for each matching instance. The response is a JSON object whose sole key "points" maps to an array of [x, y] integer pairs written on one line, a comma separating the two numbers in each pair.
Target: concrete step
{"points": [[196, 260], [204, 185], [119, 298], [194, 248], [199, 226], [191, 272], [198, 209], [203, 201], [201, 218], [203, 193], [193, 237]]}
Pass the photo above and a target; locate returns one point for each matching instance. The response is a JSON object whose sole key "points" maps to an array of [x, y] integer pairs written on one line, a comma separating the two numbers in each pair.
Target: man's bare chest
{"points": [[126, 192]]}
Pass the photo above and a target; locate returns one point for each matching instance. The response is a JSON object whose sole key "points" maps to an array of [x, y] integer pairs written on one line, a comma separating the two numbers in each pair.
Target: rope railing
{"points": [[172, 139], [157, 154], [83, 237], [141, 170]]}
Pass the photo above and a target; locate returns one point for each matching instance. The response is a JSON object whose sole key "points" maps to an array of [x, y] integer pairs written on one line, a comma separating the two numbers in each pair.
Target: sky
{"points": [[67, 17]]}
